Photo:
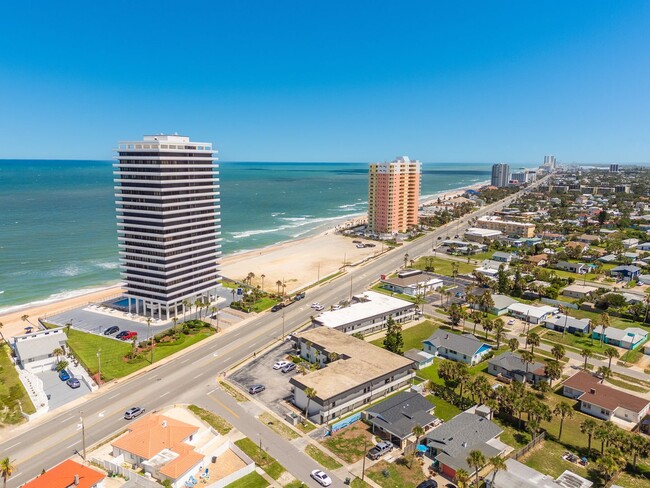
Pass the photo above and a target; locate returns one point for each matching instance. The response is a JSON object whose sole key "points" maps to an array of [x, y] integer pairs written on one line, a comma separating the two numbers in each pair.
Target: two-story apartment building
{"points": [[465, 348], [352, 373], [508, 227], [412, 282]]}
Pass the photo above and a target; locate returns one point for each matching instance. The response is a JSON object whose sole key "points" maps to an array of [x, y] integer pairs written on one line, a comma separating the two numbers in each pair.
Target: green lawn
{"points": [[273, 468], [413, 336], [349, 443], [443, 266], [512, 436], [444, 410], [571, 340], [252, 480], [12, 391], [278, 426], [328, 462], [113, 363], [618, 322], [215, 421], [547, 459], [399, 475], [264, 303]]}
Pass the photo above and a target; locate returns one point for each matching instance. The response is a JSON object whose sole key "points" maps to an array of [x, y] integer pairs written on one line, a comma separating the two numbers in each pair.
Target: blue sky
{"points": [[473, 81]]}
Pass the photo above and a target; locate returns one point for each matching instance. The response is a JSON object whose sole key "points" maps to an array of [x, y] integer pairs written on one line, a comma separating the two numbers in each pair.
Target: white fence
{"points": [[125, 472]]}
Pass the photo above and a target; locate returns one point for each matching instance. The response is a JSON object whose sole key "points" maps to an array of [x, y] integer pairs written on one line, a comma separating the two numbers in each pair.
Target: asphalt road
{"points": [[189, 377]]}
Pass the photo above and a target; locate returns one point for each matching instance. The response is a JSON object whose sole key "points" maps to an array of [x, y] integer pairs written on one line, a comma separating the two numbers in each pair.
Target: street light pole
{"points": [[99, 367], [363, 468], [83, 434], [283, 324]]}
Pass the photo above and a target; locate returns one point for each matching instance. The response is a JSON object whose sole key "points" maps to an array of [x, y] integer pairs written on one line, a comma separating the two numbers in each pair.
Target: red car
{"points": [[129, 335]]}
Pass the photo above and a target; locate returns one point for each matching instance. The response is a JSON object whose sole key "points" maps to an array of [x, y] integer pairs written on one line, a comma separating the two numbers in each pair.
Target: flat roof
{"points": [[359, 362], [39, 343], [482, 232], [532, 310], [411, 280], [377, 304]]}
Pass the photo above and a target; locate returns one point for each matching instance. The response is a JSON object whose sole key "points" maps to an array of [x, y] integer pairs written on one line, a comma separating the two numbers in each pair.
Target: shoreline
{"points": [[321, 251]]}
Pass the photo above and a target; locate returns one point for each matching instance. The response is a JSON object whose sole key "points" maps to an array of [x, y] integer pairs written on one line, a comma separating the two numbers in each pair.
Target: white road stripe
{"points": [[72, 445], [116, 395], [197, 376], [166, 393], [13, 445]]}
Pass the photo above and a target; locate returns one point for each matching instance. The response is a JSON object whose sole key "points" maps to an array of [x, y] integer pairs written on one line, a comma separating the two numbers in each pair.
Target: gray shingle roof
{"points": [[464, 344], [400, 413], [513, 363]]}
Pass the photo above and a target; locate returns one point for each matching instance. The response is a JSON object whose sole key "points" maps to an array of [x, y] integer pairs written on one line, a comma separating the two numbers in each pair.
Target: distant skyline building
{"points": [[613, 168], [500, 175], [168, 218], [550, 162], [393, 195]]}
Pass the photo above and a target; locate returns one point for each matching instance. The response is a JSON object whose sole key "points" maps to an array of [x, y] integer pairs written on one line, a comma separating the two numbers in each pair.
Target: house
{"points": [[580, 246], [501, 302], [626, 272], [572, 325], [35, 351], [643, 279], [604, 402], [393, 419], [630, 243], [369, 313], [510, 365], [531, 313], [491, 268], [464, 348], [519, 475], [538, 259], [502, 257], [412, 282], [629, 338], [551, 236], [578, 291], [580, 268], [451, 443], [475, 234], [68, 474], [608, 258], [589, 239], [644, 246], [352, 373], [420, 358]]}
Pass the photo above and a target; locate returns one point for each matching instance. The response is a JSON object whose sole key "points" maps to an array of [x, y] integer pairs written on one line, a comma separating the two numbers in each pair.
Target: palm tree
{"points": [[499, 331], [476, 460], [250, 277], [563, 409], [588, 427], [2, 336], [499, 464], [487, 325], [604, 323], [7, 468], [406, 259], [462, 478], [553, 371], [558, 352], [586, 353], [417, 431], [476, 318], [611, 353], [278, 284], [605, 433], [533, 340], [25, 318], [513, 344], [175, 322], [262, 276], [527, 358], [187, 304], [58, 352], [639, 445], [310, 393]]}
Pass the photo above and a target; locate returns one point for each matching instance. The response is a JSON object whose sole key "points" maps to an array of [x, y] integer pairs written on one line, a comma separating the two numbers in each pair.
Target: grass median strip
{"points": [[215, 421], [273, 468], [233, 392], [278, 426], [326, 461]]}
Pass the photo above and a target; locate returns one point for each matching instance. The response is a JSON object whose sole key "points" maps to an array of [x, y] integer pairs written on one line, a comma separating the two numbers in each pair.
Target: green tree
{"points": [[487, 325], [533, 340], [553, 371], [476, 318], [611, 353], [586, 353], [462, 478], [417, 431], [455, 314], [498, 464], [513, 344], [499, 331], [527, 358], [638, 445], [309, 393], [476, 460], [7, 469], [588, 427], [558, 352], [563, 410], [393, 342]]}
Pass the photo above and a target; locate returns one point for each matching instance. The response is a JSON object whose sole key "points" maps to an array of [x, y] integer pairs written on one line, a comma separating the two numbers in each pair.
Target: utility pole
{"points": [[83, 434], [283, 324], [363, 468], [318, 279], [350, 288], [99, 367]]}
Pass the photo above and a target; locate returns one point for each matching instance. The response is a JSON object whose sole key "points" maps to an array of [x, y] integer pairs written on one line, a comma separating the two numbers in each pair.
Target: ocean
{"points": [[58, 227]]}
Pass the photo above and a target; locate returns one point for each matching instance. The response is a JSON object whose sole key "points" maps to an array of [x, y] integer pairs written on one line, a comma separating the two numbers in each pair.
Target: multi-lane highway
{"points": [[193, 374]]}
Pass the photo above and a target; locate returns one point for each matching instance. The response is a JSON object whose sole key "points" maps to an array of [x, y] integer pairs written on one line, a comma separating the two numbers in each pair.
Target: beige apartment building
{"points": [[393, 195], [507, 227]]}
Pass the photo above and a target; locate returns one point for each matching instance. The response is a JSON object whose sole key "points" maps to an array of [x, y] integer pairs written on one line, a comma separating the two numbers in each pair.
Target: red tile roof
{"points": [[62, 476]]}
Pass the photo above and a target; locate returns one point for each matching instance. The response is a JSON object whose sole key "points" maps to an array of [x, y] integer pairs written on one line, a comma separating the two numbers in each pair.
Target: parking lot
{"points": [[96, 322], [260, 371], [58, 392]]}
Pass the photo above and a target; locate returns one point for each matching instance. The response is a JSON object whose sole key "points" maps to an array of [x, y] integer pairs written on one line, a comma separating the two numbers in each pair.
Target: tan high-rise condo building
{"points": [[168, 221], [393, 195]]}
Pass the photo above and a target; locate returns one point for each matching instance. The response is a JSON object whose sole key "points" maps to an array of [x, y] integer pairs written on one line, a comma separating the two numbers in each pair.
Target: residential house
{"points": [[519, 475], [630, 243], [608, 258], [578, 291], [629, 338], [580, 246], [451, 443], [368, 313], [66, 475], [643, 279], [538, 259], [625, 272], [579, 268], [502, 257], [589, 239], [412, 283], [510, 365], [393, 419], [465, 348], [572, 325], [603, 401], [352, 373], [491, 268], [35, 352], [475, 234], [644, 246], [420, 358], [501, 302], [531, 313]]}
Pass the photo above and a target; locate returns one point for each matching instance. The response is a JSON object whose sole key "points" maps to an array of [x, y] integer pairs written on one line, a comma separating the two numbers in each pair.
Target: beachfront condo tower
{"points": [[168, 223], [393, 196], [500, 175]]}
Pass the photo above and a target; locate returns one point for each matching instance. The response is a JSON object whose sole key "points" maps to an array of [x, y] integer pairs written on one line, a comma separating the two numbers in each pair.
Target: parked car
{"points": [[64, 375], [73, 383], [361, 246], [511, 322], [429, 484], [300, 296], [371, 245], [319, 308], [255, 389], [459, 294], [336, 307], [281, 364], [289, 367], [112, 330], [315, 304], [321, 477], [379, 450], [356, 241], [129, 335], [133, 412], [277, 307], [122, 334]]}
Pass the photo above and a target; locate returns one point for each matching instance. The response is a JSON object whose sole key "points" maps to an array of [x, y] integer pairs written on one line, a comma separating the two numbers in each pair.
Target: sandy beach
{"points": [[297, 263]]}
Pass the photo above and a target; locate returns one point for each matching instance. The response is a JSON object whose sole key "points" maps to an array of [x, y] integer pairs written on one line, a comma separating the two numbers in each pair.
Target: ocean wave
{"points": [[312, 221], [352, 205], [108, 265]]}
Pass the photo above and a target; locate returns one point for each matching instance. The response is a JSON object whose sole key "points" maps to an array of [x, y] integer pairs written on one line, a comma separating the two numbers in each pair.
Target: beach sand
{"points": [[296, 263]]}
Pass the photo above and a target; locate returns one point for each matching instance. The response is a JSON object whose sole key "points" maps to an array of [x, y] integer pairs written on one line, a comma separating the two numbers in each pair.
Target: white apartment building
{"points": [[168, 218]]}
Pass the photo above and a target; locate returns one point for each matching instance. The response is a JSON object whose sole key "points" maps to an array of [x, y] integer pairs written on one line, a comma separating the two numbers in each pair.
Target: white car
{"points": [[336, 307], [315, 304], [321, 477], [319, 308], [511, 322], [281, 364]]}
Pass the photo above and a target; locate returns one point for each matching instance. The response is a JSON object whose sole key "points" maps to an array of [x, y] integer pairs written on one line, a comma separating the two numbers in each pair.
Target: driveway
{"points": [[58, 391], [260, 371]]}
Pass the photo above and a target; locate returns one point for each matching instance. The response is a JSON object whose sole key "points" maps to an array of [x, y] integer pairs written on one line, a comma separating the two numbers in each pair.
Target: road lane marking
{"points": [[116, 395], [186, 360], [216, 400], [197, 376], [166, 393], [72, 445], [101, 414], [13, 445]]}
